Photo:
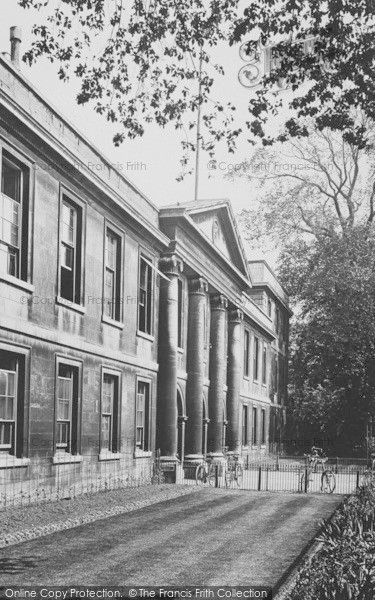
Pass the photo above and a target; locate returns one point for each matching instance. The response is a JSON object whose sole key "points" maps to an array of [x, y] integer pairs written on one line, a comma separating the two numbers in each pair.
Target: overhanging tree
{"points": [[138, 62]]}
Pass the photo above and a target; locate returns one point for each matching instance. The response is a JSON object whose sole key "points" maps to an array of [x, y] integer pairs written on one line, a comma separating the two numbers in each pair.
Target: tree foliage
{"points": [[309, 188], [332, 369], [139, 62], [316, 203]]}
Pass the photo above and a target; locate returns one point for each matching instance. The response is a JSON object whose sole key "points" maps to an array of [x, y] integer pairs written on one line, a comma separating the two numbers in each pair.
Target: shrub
{"points": [[344, 567]]}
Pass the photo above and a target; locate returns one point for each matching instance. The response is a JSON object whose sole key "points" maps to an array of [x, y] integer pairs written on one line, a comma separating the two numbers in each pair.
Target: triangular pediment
{"points": [[216, 221]]}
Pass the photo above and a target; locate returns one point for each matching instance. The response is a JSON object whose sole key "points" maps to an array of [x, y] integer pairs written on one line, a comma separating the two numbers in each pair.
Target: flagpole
{"points": [[198, 128]]}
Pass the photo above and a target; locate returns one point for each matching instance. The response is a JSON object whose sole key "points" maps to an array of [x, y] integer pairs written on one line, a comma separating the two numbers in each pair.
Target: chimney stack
{"points": [[15, 42]]}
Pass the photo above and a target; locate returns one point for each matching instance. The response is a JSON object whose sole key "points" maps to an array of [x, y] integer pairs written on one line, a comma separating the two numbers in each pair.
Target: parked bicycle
{"points": [[316, 462], [369, 473], [157, 472], [233, 469], [206, 472]]}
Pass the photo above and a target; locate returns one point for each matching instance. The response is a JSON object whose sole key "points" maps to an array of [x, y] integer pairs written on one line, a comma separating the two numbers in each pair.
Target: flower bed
{"points": [[344, 566]]}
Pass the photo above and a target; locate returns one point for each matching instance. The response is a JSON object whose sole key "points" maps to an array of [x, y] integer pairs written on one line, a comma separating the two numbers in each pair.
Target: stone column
{"points": [[198, 289], [205, 436], [219, 305], [182, 421], [234, 379], [167, 379]]}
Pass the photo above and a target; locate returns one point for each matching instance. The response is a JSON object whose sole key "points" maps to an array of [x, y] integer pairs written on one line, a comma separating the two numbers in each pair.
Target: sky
{"points": [[151, 162]]}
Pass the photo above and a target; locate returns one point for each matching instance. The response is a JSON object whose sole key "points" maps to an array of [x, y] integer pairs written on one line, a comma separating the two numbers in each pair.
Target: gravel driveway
{"points": [[213, 536]]}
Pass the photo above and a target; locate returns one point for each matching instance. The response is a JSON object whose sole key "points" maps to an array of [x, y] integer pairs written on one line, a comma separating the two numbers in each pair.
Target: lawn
{"points": [[216, 537]]}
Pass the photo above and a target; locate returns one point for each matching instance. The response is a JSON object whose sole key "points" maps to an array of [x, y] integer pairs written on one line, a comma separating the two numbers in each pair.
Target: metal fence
{"points": [[39, 480], [287, 474]]}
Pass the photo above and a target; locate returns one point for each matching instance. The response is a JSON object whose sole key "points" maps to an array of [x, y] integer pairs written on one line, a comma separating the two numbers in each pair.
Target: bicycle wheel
{"points": [[367, 477], [238, 474], [200, 474], [211, 475], [328, 482]]}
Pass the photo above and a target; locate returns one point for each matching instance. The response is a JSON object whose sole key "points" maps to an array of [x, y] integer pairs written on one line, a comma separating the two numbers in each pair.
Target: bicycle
{"points": [[205, 473], [327, 479], [369, 474], [157, 476], [233, 470]]}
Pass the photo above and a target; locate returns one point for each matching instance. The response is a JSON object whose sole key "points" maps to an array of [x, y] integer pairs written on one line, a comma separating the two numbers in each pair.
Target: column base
{"points": [[216, 457], [169, 459], [197, 458]]}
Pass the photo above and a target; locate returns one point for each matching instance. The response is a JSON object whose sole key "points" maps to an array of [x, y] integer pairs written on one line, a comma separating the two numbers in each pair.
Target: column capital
{"points": [[219, 302], [198, 285], [170, 264], [235, 315]]}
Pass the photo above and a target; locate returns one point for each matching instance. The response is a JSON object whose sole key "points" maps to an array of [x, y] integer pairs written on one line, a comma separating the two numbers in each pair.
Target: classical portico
{"points": [[210, 304]]}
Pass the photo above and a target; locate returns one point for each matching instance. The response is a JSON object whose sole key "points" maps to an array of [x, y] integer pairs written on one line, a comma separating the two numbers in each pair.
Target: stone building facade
{"points": [[123, 328]]}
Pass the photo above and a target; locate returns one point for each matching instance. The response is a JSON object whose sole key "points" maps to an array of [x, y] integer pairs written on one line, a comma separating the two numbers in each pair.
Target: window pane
{"points": [[139, 437], [142, 415], [64, 388], [67, 257], [67, 234], [2, 407], [3, 257], [9, 412], [11, 180], [111, 251], [256, 358], [143, 275], [10, 210], [63, 410], [108, 394], [12, 263], [106, 432], [7, 232], [6, 434], [63, 434], [246, 353], [11, 383], [264, 366], [3, 383], [68, 222], [14, 231], [109, 282], [109, 300]]}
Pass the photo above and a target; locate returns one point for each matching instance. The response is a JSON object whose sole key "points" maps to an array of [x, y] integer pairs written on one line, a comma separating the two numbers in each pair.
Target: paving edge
{"points": [[286, 582], [26, 535]]}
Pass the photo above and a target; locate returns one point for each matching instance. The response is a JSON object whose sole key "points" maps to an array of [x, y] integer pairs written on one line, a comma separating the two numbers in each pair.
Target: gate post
{"points": [[259, 479], [306, 480]]}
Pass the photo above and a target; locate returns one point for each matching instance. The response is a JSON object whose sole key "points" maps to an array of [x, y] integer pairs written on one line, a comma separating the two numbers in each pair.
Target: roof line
{"points": [[69, 124]]}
